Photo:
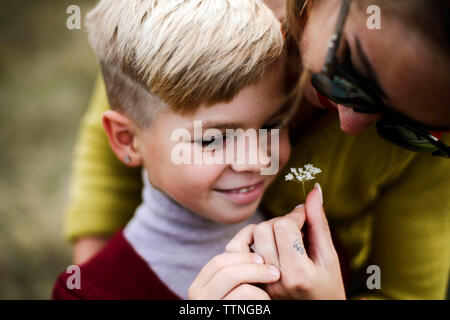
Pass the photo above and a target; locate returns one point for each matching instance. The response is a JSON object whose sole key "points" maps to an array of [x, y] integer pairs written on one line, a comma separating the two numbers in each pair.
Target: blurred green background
{"points": [[47, 74]]}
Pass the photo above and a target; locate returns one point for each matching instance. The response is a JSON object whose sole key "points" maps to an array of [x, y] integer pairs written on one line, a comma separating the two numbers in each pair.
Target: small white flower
{"points": [[307, 173], [313, 170], [289, 177]]}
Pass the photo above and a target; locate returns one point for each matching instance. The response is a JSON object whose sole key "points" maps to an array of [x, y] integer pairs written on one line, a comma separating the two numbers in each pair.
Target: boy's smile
{"points": [[245, 194]]}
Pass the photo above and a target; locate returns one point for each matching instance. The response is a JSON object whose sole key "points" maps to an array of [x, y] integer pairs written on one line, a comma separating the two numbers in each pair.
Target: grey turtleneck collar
{"points": [[175, 242]]}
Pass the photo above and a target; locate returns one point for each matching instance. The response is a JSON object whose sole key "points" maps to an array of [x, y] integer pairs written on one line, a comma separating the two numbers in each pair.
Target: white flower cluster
{"points": [[306, 173]]}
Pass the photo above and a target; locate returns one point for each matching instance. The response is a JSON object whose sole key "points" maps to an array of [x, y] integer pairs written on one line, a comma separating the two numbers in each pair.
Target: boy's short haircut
{"points": [[181, 53]]}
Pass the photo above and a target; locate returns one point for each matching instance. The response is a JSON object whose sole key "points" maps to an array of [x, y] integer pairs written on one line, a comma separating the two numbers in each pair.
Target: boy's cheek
{"points": [[193, 178], [203, 176]]}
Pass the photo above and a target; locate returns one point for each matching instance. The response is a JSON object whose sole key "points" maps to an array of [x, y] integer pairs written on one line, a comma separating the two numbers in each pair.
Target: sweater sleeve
{"points": [[411, 233], [103, 193], [61, 292]]}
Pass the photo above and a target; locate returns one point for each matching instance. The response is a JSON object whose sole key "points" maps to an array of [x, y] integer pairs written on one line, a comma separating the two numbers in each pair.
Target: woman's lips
{"points": [[355, 123], [351, 122], [326, 103], [244, 195]]}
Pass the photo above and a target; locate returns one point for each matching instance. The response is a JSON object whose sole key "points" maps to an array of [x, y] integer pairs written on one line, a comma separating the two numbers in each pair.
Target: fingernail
{"points": [[259, 259], [299, 206], [317, 186], [274, 271]]}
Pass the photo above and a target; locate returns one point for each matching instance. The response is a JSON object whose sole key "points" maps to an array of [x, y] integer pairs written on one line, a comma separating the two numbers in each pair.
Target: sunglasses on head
{"points": [[346, 88]]}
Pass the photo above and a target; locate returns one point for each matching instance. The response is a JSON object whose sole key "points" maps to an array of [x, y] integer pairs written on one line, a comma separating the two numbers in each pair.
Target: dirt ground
{"points": [[46, 76]]}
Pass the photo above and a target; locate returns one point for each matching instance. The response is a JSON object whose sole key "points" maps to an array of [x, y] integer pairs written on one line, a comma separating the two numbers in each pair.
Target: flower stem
{"points": [[304, 192]]}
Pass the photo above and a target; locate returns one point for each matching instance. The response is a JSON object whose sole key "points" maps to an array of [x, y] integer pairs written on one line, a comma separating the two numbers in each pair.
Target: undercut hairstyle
{"points": [[181, 54]]}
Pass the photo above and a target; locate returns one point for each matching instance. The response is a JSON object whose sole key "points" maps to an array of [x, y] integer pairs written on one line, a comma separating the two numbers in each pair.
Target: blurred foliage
{"points": [[47, 73]]}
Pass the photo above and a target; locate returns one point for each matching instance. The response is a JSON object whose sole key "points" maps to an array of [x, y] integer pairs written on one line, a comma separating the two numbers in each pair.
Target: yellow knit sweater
{"points": [[388, 206]]}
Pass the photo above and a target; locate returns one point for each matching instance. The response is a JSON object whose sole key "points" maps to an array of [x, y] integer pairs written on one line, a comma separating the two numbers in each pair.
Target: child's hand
{"points": [[313, 273], [86, 247], [228, 275]]}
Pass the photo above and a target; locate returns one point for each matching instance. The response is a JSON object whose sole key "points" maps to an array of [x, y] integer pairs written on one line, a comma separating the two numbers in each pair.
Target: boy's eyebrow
{"points": [[217, 124]]}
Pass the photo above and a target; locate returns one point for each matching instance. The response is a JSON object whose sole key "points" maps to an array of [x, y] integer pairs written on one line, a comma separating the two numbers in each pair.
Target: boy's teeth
{"points": [[243, 190]]}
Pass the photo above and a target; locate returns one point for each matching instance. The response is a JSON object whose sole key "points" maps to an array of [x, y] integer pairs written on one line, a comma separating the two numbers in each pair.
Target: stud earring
{"points": [[127, 159]]}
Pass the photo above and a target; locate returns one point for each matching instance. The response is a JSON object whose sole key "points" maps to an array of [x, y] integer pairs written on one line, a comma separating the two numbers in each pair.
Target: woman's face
{"points": [[398, 59]]}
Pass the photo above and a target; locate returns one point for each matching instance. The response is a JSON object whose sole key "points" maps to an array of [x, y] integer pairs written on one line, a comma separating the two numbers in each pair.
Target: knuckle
{"points": [[262, 228], [294, 284], [297, 212], [218, 261], [300, 280], [255, 256], [283, 223], [275, 290]]}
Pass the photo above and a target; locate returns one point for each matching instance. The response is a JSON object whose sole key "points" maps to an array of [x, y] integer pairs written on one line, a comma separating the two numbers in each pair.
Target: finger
{"points": [[298, 215], [221, 261], [319, 235], [247, 292], [265, 244], [242, 241], [232, 276], [291, 249]]}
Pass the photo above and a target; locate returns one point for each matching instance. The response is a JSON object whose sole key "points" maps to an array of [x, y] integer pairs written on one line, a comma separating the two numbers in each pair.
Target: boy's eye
{"points": [[211, 142]]}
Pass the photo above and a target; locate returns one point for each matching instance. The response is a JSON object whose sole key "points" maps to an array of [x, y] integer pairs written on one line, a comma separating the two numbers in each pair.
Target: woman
{"points": [[389, 206]]}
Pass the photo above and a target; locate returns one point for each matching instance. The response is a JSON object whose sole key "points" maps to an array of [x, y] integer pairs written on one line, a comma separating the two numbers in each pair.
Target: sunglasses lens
{"points": [[343, 92], [405, 138]]}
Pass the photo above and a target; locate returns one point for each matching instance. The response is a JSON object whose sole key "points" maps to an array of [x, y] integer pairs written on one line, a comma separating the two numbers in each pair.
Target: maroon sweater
{"points": [[117, 272]]}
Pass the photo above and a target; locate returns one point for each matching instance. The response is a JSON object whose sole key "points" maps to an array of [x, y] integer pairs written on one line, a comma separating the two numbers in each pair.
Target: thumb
{"points": [[319, 235]]}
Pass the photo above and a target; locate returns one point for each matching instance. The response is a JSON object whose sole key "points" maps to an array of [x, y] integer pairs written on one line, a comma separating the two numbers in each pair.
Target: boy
{"points": [[169, 66]]}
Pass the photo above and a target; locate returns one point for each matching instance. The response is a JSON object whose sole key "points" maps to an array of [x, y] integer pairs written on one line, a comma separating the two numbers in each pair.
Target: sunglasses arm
{"points": [[333, 45]]}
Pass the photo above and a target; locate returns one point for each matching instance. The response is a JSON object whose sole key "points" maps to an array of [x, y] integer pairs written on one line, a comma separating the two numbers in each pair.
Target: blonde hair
{"points": [[181, 53]]}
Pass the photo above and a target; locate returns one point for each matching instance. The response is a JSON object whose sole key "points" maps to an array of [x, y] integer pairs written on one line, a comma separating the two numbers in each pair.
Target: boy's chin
{"points": [[236, 215]]}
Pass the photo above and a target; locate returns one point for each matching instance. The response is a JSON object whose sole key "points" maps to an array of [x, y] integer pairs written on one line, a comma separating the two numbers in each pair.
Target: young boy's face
{"points": [[226, 193]]}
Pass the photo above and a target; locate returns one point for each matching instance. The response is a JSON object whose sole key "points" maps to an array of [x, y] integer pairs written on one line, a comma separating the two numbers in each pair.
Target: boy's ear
{"points": [[121, 138]]}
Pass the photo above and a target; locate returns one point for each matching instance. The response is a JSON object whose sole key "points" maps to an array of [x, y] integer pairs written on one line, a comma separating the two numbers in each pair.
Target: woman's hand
{"points": [[229, 275], [311, 273]]}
